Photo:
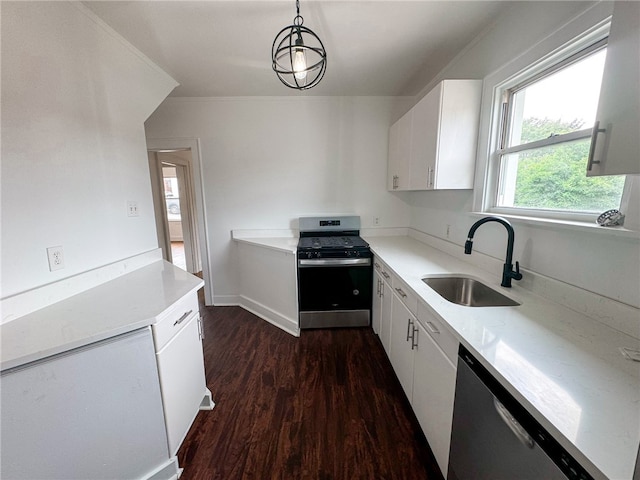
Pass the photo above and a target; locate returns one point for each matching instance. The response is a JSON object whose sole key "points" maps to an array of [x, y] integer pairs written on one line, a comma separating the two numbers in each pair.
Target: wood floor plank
{"points": [[325, 406]]}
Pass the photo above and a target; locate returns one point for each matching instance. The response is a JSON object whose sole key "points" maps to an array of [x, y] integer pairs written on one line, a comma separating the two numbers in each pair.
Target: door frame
{"points": [[164, 144]]}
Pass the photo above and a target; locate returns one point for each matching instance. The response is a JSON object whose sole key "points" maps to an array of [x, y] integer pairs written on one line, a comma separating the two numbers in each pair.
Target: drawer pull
{"points": [[432, 328], [385, 275], [182, 318], [401, 293]]}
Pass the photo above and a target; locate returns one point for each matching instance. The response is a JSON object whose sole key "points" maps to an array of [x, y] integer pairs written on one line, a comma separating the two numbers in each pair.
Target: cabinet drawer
{"points": [[439, 332], [406, 294], [174, 318], [384, 270]]}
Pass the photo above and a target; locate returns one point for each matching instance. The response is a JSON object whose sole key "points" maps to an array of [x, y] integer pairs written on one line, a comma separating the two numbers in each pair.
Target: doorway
{"points": [[174, 206], [188, 151]]}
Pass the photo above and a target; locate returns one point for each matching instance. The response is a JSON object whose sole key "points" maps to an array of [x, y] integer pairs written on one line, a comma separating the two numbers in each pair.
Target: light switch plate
{"points": [[132, 208]]}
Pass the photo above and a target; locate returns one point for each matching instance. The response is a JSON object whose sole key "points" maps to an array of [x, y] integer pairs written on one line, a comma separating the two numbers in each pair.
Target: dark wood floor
{"points": [[323, 406]]}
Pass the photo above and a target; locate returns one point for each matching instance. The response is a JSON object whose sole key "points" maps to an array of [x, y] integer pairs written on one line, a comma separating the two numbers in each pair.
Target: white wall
{"points": [[268, 160], [74, 100], [595, 261]]}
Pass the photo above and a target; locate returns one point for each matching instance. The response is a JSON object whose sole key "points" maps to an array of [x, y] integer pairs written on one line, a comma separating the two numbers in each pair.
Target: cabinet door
{"points": [[376, 304], [182, 380], [402, 331], [424, 140], [618, 114], [399, 153], [385, 316], [457, 134], [92, 413], [434, 383]]}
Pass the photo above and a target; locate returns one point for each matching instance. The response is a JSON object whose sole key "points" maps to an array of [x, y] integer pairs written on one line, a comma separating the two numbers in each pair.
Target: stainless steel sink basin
{"points": [[468, 292]]}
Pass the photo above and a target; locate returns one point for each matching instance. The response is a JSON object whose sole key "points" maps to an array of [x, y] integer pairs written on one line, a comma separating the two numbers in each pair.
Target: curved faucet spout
{"points": [[508, 272]]}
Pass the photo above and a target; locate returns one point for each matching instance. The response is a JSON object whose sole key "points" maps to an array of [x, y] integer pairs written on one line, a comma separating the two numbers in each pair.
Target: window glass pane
{"points": [[563, 102], [554, 178]]}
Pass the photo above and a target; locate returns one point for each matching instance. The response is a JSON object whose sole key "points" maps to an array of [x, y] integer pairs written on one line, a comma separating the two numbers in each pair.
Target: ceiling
{"points": [[374, 47]]}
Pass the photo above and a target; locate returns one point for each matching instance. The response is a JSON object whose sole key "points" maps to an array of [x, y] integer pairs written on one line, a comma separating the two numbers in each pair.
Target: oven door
{"points": [[334, 292]]}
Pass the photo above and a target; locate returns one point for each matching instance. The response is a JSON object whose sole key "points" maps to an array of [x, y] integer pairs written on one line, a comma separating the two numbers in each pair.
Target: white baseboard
{"points": [[226, 300], [287, 324]]}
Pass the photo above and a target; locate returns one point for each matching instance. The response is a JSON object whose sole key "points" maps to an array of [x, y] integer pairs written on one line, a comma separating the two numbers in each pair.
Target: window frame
{"points": [[534, 64]]}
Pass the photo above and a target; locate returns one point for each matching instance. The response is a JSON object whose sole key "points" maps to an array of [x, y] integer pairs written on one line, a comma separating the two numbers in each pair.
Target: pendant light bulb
{"points": [[299, 62]]}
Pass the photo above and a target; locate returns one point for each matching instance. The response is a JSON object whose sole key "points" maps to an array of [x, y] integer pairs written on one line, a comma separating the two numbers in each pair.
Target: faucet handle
{"points": [[517, 275]]}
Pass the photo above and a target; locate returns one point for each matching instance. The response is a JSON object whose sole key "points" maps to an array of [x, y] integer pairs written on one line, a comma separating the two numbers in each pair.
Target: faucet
{"points": [[507, 270]]}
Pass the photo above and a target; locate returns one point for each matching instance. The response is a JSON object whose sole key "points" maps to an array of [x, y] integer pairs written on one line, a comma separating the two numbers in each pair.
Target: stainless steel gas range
{"points": [[334, 273]]}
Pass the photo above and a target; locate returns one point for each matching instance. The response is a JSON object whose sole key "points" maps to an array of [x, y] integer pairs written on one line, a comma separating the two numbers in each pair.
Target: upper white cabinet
{"points": [[400, 153], [618, 146], [433, 146]]}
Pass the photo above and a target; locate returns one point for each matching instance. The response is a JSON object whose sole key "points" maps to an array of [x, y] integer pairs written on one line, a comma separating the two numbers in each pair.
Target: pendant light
{"points": [[298, 55]]}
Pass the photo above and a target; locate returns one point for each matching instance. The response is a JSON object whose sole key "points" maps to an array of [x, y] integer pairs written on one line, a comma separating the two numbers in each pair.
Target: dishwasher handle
{"points": [[517, 429]]}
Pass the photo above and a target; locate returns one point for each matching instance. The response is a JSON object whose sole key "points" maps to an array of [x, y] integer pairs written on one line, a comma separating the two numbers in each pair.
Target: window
{"points": [[544, 140]]}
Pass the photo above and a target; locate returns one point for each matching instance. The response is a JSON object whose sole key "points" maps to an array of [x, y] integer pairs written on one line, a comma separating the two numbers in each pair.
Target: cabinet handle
{"points": [[378, 288], [432, 328], [377, 265], [182, 318], [409, 322], [592, 149], [517, 429], [401, 293], [414, 338], [200, 329], [385, 275]]}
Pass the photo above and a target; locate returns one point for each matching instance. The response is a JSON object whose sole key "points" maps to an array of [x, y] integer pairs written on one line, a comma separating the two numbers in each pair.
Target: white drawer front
{"points": [[174, 319], [385, 271], [439, 332], [406, 294]]}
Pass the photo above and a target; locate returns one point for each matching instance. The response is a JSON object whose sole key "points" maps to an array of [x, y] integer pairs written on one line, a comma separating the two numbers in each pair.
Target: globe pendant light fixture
{"points": [[298, 55]]}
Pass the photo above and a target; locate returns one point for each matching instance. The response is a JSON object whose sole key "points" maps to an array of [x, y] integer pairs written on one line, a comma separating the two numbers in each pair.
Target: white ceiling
{"points": [[374, 47]]}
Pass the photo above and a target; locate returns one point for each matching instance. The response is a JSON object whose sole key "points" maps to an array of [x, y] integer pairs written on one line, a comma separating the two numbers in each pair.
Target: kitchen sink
{"points": [[468, 292]]}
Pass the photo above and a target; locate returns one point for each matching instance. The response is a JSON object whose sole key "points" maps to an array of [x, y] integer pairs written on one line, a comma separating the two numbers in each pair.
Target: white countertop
{"points": [[564, 367], [281, 244], [129, 302]]}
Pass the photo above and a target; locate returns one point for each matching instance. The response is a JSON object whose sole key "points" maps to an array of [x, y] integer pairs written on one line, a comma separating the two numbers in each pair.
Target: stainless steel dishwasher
{"points": [[494, 437]]}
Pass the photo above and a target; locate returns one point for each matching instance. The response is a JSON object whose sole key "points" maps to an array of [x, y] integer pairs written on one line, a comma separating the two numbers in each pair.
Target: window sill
{"points": [[584, 227]]}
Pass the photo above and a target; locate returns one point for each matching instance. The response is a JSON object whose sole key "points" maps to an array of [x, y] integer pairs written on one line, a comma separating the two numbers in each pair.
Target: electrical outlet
{"points": [[56, 258], [448, 230], [132, 209], [376, 220]]}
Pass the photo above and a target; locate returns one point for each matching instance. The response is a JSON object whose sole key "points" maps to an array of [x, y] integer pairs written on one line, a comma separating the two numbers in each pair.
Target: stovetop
{"points": [[332, 242]]}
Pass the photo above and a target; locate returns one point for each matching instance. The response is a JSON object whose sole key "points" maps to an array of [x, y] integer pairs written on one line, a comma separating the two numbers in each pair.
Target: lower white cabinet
{"points": [[381, 308], [422, 352], [403, 329], [181, 370], [434, 383], [376, 303], [93, 412], [178, 343]]}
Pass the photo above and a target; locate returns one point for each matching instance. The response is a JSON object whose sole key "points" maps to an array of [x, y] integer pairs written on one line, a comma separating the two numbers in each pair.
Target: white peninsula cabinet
{"points": [[618, 144], [433, 146]]}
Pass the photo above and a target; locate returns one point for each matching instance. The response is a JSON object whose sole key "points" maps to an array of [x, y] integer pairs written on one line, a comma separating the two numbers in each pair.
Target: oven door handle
{"points": [[334, 262]]}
